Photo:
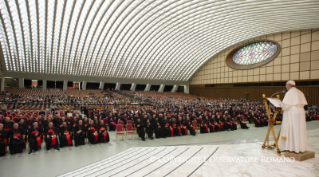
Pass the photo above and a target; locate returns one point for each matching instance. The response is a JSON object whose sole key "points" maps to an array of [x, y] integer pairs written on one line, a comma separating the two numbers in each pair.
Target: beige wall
{"points": [[298, 60]]}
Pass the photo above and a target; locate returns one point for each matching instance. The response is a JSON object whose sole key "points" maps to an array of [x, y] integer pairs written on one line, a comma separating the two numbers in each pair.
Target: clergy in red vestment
{"points": [[34, 136], [92, 133], [65, 135], [7, 124], [3, 140], [16, 136], [79, 133], [103, 134], [50, 135]]}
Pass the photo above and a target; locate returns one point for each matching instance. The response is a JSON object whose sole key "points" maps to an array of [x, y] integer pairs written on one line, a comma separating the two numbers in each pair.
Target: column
{"points": [[186, 88], [174, 89], [83, 85], [101, 87], [2, 83], [118, 86], [161, 89], [44, 84], [147, 88], [133, 87], [21, 82], [65, 85]]}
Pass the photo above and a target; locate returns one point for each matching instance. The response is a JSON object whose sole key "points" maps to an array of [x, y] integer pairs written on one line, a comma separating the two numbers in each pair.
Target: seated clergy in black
{"points": [[265, 123], [149, 129], [7, 124], [189, 126], [103, 134], [176, 129], [168, 128], [234, 124], [257, 122], [65, 135], [3, 140], [211, 127], [203, 125], [34, 136], [228, 125], [243, 125], [46, 122], [16, 136], [92, 133], [24, 127], [140, 129], [159, 130], [181, 123], [79, 133], [51, 139]]}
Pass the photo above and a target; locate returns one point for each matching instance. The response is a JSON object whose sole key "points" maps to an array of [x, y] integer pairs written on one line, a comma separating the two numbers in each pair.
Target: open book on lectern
{"points": [[275, 101]]}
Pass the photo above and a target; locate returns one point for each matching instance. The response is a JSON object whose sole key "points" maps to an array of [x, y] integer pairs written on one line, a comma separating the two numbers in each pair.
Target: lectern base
{"points": [[301, 156]]}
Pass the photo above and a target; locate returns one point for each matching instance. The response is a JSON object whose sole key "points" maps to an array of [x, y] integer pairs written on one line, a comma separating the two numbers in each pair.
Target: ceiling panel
{"points": [[137, 39]]}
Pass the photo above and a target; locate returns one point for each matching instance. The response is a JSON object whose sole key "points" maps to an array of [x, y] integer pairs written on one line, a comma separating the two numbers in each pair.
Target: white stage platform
{"points": [[238, 158]]}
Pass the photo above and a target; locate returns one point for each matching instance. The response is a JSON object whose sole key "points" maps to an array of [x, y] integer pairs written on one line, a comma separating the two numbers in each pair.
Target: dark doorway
{"points": [[154, 87], [59, 84], [92, 86], [27, 83], [125, 87], [180, 89], [40, 83], [168, 88], [70, 84], [50, 84], [140, 87], [110, 86]]}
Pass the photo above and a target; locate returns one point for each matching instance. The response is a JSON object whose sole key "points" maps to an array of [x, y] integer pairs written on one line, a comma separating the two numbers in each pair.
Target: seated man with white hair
{"points": [[50, 135], [16, 136], [293, 135]]}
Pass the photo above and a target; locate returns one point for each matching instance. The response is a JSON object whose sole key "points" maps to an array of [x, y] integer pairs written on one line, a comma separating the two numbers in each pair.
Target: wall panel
{"points": [[311, 92], [298, 57]]}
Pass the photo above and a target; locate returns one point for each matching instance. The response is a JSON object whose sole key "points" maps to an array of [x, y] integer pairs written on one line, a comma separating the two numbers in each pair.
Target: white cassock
{"points": [[293, 134]]}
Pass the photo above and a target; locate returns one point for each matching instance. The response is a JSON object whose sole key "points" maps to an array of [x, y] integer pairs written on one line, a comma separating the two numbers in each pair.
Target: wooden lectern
{"points": [[271, 121]]}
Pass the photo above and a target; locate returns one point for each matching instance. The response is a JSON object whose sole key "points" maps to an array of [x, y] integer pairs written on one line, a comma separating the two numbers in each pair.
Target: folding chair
{"points": [[129, 130], [120, 130]]}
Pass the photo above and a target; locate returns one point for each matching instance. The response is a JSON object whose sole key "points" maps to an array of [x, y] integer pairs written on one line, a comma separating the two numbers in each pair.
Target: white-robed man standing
{"points": [[293, 135]]}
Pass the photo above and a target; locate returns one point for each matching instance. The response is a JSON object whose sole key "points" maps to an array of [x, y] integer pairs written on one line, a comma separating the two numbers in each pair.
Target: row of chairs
{"points": [[124, 130], [15, 115], [197, 127]]}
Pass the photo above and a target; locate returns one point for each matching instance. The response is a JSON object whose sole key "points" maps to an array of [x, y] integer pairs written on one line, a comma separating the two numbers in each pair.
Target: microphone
{"points": [[277, 93]]}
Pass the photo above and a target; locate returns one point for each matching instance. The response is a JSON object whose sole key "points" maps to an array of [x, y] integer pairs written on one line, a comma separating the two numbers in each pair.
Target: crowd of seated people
{"points": [[32, 96], [240, 109], [252, 111], [97, 97], [17, 97], [170, 115], [56, 131], [312, 115]]}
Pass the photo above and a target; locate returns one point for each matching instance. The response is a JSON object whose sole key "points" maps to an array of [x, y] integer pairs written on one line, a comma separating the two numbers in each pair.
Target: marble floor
{"points": [[158, 157], [234, 159]]}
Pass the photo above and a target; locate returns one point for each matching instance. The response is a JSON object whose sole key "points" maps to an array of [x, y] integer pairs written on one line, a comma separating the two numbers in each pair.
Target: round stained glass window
{"points": [[253, 54]]}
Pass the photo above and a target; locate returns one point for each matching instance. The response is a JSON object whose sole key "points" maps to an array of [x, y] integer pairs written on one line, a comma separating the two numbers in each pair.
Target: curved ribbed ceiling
{"points": [[143, 39]]}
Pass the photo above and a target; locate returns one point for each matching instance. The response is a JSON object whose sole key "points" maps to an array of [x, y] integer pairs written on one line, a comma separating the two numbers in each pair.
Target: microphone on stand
{"points": [[273, 95], [277, 93]]}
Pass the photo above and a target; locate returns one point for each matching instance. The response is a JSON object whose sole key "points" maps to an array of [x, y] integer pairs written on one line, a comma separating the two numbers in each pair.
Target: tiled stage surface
{"points": [[203, 160]]}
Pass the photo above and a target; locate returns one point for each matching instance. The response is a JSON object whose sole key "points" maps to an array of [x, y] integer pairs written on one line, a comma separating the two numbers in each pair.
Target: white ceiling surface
{"points": [[157, 40]]}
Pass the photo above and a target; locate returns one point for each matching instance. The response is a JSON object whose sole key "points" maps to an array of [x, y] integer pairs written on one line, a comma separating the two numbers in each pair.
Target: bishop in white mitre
{"points": [[293, 135]]}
